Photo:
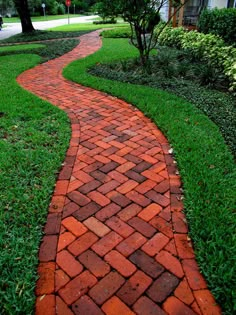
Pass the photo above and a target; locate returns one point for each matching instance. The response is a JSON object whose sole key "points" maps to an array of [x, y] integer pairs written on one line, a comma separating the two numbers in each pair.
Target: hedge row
{"points": [[220, 22]]}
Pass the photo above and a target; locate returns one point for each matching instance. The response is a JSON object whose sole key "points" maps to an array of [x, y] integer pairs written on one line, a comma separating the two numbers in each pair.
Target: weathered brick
{"points": [[119, 226], [163, 287], [61, 279], [155, 244], [61, 187], [207, 302], [184, 293], [64, 240], [163, 226], [145, 306], [107, 243], [115, 306], [48, 248], [77, 287], [179, 222], [53, 224], [173, 306], [79, 198], [45, 304], [138, 198], [121, 178], [109, 186], [94, 263], [135, 176], [134, 287], [69, 264], [109, 167], [120, 263], [99, 198], [127, 186], [74, 226], [131, 244], [69, 209], [96, 226], [107, 212], [142, 226], [171, 263], [86, 211], [83, 243], [106, 287], [147, 264], [62, 308], [149, 212], [158, 198], [45, 283], [183, 246], [85, 189], [118, 198], [129, 212], [57, 204], [194, 278], [86, 306]]}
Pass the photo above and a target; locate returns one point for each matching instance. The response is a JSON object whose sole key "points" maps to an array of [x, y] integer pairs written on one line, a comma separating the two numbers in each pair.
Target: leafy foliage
{"points": [[121, 32], [220, 22], [143, 16], [209, 47]]}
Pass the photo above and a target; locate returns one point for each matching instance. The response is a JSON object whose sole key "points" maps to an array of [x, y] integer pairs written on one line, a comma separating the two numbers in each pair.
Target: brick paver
{"points": [[116, 237]]}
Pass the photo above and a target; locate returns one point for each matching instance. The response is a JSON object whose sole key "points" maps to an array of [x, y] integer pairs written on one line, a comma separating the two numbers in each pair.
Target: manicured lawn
{"points": [[34, 137], [42, 18], [205, 163], [85, 27], [20, 47]]}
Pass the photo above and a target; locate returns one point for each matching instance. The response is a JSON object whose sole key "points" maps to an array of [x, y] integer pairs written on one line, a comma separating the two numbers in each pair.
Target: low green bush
{"points": [[170, 37], [121, 32], [111, 21], [210, 47], [220, 22]]}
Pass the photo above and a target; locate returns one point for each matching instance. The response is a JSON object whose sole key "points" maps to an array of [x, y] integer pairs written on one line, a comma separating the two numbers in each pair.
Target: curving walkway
{"points": [[116, 238]]}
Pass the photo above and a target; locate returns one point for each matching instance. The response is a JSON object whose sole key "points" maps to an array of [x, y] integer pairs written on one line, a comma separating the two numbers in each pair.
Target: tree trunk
{"points": [[23, 11]]}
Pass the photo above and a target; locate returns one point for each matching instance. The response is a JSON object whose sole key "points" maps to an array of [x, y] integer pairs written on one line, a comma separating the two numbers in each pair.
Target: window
{"points": [[231, 4]]}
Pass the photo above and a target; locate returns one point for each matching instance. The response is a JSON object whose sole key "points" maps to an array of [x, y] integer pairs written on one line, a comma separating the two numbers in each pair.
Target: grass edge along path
{"points": [[33, 142], [205, 163]]}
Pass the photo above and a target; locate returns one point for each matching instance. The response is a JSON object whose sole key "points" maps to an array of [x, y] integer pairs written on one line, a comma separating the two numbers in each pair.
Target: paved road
{"points": [[11, 29]]}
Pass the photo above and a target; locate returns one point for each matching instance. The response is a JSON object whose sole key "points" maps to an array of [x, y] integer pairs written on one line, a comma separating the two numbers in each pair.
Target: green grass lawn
{"points": [[34, 137], [41, 18], [20, 47], [86, 27], [205, 163]]}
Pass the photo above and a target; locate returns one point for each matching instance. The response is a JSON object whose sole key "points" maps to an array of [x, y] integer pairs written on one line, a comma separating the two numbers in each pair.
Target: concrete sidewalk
{"points": [[11, 29]]}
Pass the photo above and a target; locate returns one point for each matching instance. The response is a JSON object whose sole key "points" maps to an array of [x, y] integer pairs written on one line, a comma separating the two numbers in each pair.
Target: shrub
{"points": [[210, 47], [170, 36], [220, 22], [121, 32], [110, 21], [61, 9]]}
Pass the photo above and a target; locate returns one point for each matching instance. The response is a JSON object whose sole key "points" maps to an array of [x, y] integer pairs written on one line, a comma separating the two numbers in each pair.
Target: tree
{"points": [[23, 11], [143, 16]]}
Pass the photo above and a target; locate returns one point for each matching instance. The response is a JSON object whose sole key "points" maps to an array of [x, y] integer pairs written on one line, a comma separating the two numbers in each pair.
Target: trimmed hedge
{"points": [[220, 22]]}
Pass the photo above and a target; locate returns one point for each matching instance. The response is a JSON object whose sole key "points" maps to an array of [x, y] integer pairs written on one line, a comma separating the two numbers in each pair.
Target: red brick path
{"points": [[116, 238]]}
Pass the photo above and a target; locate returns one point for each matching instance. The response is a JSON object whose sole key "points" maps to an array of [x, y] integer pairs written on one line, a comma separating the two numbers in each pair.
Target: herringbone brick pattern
{"points": [[116, 237]]}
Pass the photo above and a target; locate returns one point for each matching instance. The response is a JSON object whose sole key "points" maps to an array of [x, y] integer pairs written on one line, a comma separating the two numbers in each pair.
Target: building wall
{"points": [[218, 3]]}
